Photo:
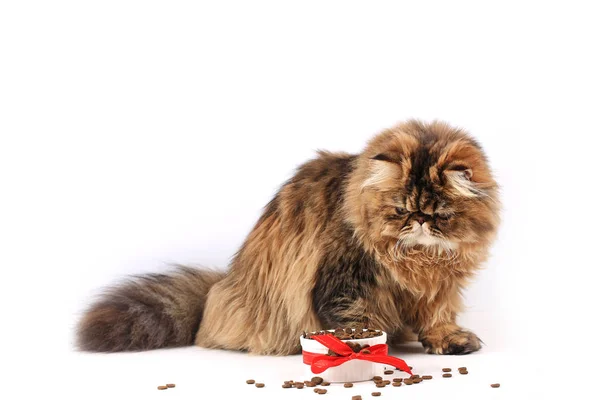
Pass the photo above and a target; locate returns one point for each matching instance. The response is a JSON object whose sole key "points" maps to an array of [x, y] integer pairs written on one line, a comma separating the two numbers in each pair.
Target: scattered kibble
{"points": [[397, 384], [321, 391], [259, 385], [463, 372], [170, 385], [427, 377], [357, 397], [408, 382], [447, 375], [388, 372], [286, 385], [317, 379], [376, 394], [348, 385], [397, 379], [250, 381], [446, 369], [495, 385], [162, 388], [377, 378], [325, 383]]}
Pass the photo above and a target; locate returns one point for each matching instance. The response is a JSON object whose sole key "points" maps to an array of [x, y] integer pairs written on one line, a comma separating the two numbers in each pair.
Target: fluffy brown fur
{"points": [[389, 237]]}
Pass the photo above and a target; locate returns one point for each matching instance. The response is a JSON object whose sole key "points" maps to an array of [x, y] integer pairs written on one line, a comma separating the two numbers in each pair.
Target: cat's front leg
{"points": [[439, 333]]}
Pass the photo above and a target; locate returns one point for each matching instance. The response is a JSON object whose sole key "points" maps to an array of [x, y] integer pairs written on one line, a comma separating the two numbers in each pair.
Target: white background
{"points": [[138, 133]]}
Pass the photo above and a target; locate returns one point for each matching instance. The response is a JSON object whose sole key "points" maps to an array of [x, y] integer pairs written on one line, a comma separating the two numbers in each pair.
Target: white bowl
{"points": [[350, 371]]}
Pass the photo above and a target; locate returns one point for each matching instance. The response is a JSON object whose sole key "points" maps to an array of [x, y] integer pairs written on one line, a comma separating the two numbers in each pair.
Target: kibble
{"points": [[459, 368], [415, 376], [388, 372], [446, 369], [427, 377], [250, 381], [348, 385], [162, 388], [322, 391], [397, 379], [170, 385], [495, 385], [325, 383], [376, 394], [286, 385], [447, 375], [317, 379], [310, 384], [346, 334], [463, 372], [380, 385], [259, 385], [356, 397], [408, 382], [417, 380], [377, 378], [299, 385], [397, 384]]}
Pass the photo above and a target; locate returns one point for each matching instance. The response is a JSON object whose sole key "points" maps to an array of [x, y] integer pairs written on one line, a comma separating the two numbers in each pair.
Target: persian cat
{"points": [[388, 237]]}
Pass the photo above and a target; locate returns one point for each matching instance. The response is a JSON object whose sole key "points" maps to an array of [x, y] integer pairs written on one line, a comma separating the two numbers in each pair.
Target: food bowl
{"points": [[350, 371]]}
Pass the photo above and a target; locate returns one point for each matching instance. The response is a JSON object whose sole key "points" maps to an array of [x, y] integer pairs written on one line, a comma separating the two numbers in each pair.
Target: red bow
{"points": [[321, 362]]}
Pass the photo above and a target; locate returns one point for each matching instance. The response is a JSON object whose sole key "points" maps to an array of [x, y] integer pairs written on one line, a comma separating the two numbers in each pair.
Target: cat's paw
{"points": [[457, 342]]}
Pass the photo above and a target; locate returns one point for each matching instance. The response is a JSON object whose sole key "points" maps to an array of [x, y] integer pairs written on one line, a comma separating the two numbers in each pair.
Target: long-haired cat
{"points": [[390, 236]]}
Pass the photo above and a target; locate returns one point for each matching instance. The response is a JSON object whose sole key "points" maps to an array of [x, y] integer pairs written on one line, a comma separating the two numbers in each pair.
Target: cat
{"points": [[388, 237]]}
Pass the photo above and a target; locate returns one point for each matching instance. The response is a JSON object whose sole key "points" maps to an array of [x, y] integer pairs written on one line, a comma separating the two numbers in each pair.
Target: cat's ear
{"points": [[462, 171], [383, 169], [392, 157], [460, 178]]}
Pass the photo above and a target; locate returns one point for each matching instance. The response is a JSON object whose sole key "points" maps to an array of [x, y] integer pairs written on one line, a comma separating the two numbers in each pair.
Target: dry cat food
{"points": [[415, 376], [446, 369], [286, 385], [170, 385], [463, 372], [356, 397], [348, 385], [347, 333], [259, 385], [380, 385], [325, 384], [397, 384], [495, 385], [317, 380], [250, 381], [397, 379], [321, 391], [447, 375], [427, 377], [376, 394], [389, 372], [162, 388], [377, 378], [408, 382]]}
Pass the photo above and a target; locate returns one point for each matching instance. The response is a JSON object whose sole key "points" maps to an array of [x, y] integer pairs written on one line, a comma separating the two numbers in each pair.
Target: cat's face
{"points": [[427, 186]]}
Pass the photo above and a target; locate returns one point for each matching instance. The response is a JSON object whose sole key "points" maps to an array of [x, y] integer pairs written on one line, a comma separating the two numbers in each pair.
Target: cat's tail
{"points": [[148, 312]]}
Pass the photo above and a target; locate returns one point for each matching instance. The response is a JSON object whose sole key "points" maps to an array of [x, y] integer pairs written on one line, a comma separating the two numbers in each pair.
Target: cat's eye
{"points": [[444, 217], [401, 211]]}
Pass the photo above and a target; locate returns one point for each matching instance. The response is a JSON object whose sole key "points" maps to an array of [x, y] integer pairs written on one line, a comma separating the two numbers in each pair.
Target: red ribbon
{"points": [[321, 362]]}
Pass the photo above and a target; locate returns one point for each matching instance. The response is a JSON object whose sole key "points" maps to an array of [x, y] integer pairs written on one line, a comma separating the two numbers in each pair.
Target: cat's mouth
{"points": [[421, 235]]}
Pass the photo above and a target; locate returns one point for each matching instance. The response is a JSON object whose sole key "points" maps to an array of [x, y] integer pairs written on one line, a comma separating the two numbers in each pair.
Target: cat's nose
{"points": [[421, 220]]}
